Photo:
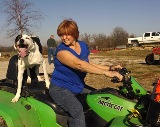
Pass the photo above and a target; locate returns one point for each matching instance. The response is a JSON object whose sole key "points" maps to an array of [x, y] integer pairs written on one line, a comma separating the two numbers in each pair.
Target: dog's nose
{"points": [[21, 41]]}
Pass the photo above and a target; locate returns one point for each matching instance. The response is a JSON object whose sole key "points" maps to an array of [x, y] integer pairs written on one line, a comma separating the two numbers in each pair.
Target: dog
{"points": [[29, 50]]}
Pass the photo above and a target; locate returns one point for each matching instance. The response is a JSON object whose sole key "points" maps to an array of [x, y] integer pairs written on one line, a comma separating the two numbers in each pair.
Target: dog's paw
{"points": [[15, 99], [28, 80], [47, 87], [47, 84], [40, 78]]}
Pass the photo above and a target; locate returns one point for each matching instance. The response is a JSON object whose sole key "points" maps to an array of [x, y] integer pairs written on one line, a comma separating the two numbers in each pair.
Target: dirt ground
{"points": [[94, 59], [145, 74], [4, 67]]}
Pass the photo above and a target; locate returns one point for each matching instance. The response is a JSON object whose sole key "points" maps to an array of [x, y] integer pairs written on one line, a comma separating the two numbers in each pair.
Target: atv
{"points": [[154, 57], [129, 105]]}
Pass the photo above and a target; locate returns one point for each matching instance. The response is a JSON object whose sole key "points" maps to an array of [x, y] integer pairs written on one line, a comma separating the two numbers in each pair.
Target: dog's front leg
{"points": [[46, 74], [20, 78], [28, 76], [37, 73]]}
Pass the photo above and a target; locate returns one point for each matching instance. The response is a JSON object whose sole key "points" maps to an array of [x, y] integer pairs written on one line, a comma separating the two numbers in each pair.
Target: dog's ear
{"points": [[35, 39], [18, 38]]}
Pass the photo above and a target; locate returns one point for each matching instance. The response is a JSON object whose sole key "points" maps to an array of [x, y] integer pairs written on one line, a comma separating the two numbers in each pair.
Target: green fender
{"points": [[122, 122], [10, 116], [27, 112], [136, 86]]}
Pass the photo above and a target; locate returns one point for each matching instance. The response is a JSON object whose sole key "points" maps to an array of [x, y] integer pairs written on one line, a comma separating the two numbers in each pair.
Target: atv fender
{"points": [[10, 116], [125, 121], [27, 112], [119, 122]]}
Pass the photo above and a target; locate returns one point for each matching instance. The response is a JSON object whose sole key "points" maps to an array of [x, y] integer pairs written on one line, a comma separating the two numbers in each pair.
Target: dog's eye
{"points": [[27, 38]]}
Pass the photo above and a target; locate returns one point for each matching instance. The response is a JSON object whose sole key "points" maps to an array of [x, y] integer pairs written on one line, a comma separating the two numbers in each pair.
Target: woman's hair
{"points": [[68, 27]]}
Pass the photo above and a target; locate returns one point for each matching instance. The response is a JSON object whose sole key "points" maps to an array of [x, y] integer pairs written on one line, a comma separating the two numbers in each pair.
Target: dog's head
{"points": [[24, 44]]}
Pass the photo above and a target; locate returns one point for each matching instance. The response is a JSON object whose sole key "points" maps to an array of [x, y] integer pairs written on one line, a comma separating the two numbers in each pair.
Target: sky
{"points": [[94, 17]]}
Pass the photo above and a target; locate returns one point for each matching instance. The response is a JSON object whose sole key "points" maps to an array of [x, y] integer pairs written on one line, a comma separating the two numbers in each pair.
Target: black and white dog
{"points": [[29, 49]]}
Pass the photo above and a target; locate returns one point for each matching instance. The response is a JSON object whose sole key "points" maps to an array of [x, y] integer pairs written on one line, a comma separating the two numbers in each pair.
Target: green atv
{"points": [[128, 106]]}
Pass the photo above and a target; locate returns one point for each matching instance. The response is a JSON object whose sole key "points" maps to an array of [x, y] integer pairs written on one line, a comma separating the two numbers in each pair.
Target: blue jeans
{"points": [[51, 52], [67, 100]]}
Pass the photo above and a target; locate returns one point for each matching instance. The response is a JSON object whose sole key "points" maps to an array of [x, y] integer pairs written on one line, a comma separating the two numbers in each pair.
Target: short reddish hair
{"points": [[68, 27]]}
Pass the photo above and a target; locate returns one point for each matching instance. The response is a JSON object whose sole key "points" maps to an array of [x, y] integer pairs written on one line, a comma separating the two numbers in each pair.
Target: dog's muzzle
{"points": [[22, 50]]}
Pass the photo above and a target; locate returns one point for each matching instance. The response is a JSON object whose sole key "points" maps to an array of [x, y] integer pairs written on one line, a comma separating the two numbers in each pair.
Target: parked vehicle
{"points": [[147, 38], [154, 57], [128, 106]]}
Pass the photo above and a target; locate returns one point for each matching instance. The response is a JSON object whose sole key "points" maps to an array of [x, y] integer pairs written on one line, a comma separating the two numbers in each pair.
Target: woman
{"points": [[71, 66]]}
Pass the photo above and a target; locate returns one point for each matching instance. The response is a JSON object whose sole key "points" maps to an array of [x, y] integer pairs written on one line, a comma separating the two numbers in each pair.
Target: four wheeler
{"points": [[129, 105], [154, 57]]}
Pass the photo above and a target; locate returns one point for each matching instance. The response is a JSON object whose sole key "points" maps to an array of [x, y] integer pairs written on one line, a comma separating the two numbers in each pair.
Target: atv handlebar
{"points": [[123, 72]]}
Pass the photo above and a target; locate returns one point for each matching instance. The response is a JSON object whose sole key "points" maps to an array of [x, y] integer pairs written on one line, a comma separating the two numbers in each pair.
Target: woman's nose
{"points": [[64, 37]]}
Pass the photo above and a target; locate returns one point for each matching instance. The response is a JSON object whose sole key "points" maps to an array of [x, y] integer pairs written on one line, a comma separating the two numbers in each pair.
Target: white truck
{"points": [[147, 39]]}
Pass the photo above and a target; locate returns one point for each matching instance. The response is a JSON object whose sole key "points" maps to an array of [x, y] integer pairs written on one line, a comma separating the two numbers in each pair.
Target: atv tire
{"points": [[150, 59]]}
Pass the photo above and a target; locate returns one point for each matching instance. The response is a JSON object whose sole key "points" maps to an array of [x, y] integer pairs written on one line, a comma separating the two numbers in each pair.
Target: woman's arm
{"points": [[72, 61], [106, 67]]}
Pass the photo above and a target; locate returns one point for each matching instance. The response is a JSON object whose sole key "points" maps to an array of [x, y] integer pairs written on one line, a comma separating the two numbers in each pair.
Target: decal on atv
{"points": [[110, 105]]}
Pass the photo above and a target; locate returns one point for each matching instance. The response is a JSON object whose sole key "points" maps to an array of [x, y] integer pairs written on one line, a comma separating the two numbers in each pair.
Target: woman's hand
{"points": [[119, 76], [113, 74], [114, 68]]}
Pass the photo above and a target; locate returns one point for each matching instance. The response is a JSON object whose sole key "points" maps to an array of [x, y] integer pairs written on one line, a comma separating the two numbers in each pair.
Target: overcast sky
{"points": [[95, 16]]}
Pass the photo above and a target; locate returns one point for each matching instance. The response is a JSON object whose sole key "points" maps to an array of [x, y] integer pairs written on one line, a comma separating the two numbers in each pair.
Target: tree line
{"points": [[95, 41], [22, 17], [118, 37]]}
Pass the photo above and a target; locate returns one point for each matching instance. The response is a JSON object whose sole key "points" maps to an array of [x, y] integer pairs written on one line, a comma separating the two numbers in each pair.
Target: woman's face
{"points": [[67, 39]]}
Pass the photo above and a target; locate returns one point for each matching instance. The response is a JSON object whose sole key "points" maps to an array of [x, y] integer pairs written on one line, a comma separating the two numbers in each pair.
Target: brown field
{"points": [[133, 60]]}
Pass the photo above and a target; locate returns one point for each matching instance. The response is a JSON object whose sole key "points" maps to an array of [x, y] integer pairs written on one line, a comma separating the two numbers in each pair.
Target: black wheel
{"points": [[135, 44], [129, 46], [150, 59]]}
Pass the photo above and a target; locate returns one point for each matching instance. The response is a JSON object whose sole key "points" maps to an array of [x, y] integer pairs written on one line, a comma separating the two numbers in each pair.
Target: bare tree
{"points": [[20, 17], [119, 36], [101, 40], [97, 41], [86, 37]]}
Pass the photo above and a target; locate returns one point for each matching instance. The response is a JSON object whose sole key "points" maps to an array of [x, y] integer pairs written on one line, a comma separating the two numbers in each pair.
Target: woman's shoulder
{"points": [[82, 43], [61, 45]]}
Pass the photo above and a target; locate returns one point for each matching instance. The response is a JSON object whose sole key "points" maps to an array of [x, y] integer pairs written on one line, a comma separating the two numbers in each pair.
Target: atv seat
{"points": [[45, 98], [39, 92]]}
